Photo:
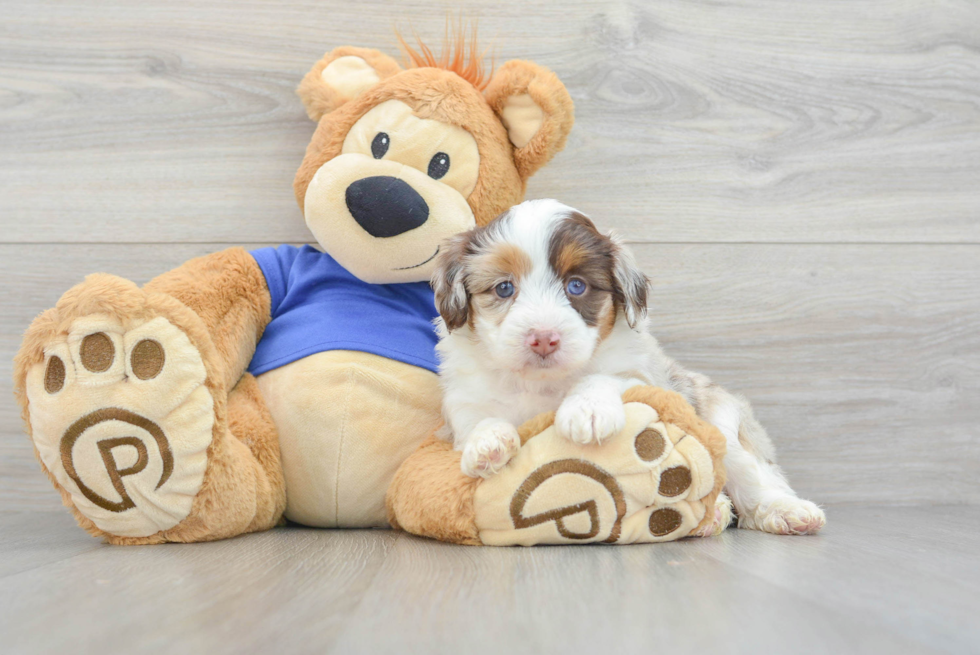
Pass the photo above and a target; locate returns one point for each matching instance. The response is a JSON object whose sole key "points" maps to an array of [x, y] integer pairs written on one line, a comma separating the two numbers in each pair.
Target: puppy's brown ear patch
{"points": [[578, 249], [631, 283], [449, 280]]}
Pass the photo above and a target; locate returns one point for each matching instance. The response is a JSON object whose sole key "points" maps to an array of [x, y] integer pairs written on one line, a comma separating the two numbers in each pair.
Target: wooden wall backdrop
{"points": [[801, 180]]}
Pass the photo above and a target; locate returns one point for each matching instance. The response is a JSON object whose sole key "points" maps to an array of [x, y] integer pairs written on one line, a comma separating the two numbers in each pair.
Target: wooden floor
{"points": [[801, 180], [879, 580]]}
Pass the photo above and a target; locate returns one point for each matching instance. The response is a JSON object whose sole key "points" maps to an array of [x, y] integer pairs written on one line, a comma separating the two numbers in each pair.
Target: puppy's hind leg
{"points": [[759, 490], [762, 496]]}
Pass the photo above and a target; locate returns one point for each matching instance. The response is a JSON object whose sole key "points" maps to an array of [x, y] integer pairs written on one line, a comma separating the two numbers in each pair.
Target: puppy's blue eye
{"points": [[575, 286], [505, 289]]}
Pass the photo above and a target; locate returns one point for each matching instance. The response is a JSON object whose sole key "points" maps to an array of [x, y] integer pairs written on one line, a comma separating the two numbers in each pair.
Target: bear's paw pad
{"points": [[121, 416]]}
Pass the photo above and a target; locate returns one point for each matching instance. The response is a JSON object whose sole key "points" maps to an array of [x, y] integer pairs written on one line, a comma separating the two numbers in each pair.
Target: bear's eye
{"points": [[438, 165], [380, 146], [504, 289]]}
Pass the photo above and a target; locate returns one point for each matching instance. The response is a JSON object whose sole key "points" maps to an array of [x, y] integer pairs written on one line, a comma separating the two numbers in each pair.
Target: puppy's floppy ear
{"points": [[341, 75], [631, 282], [448, 281], [536, 109]]}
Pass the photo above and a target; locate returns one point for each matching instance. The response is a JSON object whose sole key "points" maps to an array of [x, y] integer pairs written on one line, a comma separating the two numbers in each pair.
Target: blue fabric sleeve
{"points": [[275, 264]]}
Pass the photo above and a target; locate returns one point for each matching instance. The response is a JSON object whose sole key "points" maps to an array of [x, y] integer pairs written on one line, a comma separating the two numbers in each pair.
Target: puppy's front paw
{"points": [[490, 445], [590, 419]]}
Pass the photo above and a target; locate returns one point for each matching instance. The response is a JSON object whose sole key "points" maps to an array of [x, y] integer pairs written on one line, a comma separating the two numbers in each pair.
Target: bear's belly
{"points": [[346, 421]]}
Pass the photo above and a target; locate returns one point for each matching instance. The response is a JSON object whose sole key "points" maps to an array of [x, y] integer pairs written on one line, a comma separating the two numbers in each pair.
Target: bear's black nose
{"points": [[386, 206]]}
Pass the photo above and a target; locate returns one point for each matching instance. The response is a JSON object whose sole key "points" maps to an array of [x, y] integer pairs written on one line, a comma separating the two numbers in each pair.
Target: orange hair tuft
{"points": [[459, 55]]}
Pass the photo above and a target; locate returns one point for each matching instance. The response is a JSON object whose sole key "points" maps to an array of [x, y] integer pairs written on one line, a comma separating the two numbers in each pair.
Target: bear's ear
{"points": [[536, 109], [340, 76]]}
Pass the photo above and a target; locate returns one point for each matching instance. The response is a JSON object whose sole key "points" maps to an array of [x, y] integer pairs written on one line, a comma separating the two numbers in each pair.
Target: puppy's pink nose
{"points": [[543, 342]]}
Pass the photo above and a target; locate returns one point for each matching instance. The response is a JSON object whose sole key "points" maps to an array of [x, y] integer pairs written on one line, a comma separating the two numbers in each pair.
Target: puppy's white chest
{"points": [[524, 405]]}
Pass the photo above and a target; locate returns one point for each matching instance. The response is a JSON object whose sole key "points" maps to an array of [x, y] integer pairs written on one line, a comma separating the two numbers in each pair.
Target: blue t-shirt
{"points": [[317, 305]]}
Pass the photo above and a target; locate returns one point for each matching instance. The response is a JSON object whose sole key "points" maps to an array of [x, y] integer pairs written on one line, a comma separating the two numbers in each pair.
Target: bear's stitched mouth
{"points": [[406, 268]]}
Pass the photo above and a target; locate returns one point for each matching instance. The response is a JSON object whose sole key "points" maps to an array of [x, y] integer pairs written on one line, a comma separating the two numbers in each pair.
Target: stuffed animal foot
{"points": [[657, 479], [123, 410]]}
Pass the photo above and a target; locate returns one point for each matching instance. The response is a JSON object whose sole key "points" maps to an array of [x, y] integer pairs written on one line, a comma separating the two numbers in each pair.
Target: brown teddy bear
{"points": [[241, 388]]}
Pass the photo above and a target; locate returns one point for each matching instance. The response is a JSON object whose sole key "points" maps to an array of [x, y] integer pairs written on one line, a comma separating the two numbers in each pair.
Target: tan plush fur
{"points": [[536, 425], [520, 77], [229, 294], [250, 422], [429, 496], [319, 99]]}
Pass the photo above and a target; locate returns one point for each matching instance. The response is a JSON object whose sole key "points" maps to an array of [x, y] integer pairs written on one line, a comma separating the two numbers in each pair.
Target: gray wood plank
{"points": [[914, 558], [238, 595], [877, 580], [633, 599], [830, 122], [29, 540], [862, 360]]}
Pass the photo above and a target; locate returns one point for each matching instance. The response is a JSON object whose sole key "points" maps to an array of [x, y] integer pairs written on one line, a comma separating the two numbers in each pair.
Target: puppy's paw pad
{"points": [[489, 450], [585, 419]]}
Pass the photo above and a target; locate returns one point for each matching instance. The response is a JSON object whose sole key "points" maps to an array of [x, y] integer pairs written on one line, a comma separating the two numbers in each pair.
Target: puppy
{"points": [[539, 311]]}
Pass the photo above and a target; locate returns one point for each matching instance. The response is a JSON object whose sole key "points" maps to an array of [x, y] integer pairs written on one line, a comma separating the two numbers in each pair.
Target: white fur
{"points": [[489, 446], [492, 382]]}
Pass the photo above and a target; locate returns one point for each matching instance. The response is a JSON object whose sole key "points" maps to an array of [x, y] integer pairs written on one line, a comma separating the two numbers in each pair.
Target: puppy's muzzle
{"points": [[386, 206]]}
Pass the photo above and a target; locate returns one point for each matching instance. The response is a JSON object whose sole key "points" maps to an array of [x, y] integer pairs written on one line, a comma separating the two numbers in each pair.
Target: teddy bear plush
{"points": [[243, 388]]}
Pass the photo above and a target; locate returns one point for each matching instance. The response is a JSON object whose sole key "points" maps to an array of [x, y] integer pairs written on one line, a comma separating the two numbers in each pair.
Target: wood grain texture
{"points": [[306, 590], [862, 360], [175, 120]]}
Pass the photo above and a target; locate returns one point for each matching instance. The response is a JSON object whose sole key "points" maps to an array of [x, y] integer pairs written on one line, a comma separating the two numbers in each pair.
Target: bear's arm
{"points": [[228, 291]]}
